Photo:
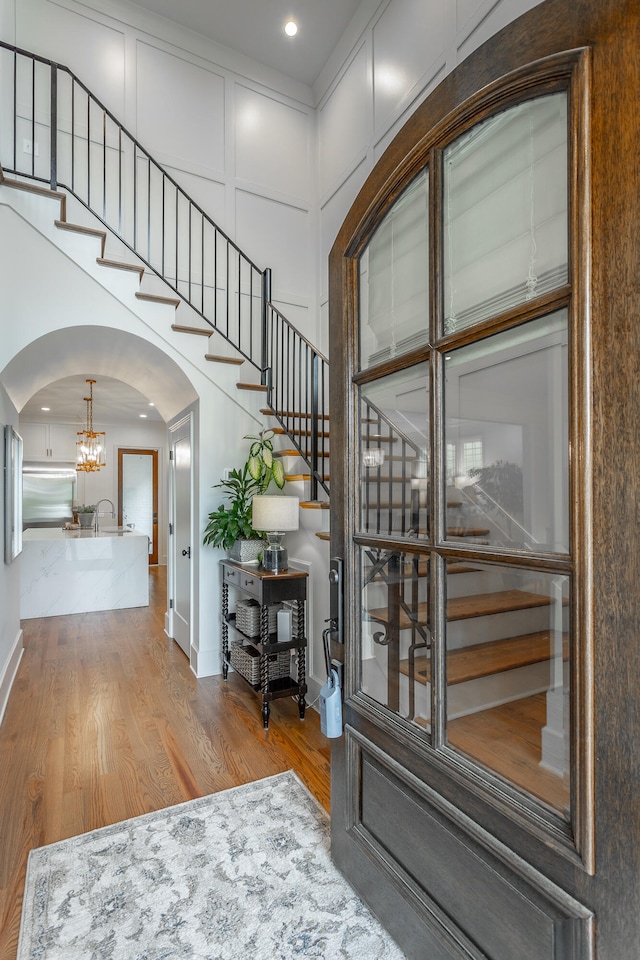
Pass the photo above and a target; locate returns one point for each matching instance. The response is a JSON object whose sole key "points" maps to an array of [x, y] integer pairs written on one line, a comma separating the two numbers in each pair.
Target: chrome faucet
{"points": [[96, 525]]}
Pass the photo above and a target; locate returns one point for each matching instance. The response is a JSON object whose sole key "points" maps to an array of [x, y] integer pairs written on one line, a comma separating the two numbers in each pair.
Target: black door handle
{"points": [[187, 552]]}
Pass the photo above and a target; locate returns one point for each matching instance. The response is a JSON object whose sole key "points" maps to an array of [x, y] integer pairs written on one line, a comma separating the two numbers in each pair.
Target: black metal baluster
{"points": [[53, 133], [190, 255], [15, 110], [33, 118]]}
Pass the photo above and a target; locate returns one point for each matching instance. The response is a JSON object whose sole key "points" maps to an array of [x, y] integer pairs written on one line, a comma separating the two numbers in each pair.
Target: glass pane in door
{"points": [[137, 493], [394, 463], [505, 235], [506, 439], [507, 673], [394, 279], [395, 638]]}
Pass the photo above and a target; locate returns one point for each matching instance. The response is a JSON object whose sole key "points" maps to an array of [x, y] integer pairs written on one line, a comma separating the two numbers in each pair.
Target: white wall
{"points": [[371, 87], [10, 632]]}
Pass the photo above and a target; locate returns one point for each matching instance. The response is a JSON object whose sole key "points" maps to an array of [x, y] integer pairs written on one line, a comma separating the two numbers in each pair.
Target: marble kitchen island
{"points": [[80, 571]]}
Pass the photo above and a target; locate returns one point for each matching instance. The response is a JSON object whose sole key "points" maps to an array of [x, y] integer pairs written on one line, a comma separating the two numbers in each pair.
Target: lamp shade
{"points": [[275, 513]]}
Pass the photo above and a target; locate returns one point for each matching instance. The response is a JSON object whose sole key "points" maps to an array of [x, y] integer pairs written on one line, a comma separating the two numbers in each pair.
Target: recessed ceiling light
{"points": [[291, 28], [143, 416], [152, 404], [46, 409]]}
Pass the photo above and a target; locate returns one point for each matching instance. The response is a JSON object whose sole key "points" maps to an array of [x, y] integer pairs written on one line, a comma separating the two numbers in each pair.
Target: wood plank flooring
{"points": [[106, 721]]}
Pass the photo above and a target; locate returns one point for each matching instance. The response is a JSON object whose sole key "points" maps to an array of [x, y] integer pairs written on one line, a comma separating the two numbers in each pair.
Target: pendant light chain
{"points": [[90, 445]]}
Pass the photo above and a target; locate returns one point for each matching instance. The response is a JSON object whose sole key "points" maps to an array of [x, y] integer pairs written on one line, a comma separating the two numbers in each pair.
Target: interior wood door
{"points": [[470, 805]]}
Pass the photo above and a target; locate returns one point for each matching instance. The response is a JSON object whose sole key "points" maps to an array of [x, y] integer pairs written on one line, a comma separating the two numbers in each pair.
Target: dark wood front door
{"points": [[477, 295]]}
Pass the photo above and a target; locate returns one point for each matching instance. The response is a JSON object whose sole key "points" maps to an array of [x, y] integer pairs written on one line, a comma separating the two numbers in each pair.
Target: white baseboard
{"points": [[207, 663], [9, 672]]}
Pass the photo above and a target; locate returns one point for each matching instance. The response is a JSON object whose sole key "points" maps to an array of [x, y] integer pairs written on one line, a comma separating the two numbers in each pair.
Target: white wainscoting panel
{"points": [[344, 124], [272, 143], [180, 110], [277, 235], [409, 36]]}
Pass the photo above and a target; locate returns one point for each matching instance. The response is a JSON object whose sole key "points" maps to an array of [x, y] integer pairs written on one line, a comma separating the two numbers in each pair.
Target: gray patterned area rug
{"points": [[244, 873]]}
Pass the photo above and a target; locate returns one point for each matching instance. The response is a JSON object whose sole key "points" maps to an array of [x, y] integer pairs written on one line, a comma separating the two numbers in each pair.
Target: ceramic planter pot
{"points": [[246, 551]]}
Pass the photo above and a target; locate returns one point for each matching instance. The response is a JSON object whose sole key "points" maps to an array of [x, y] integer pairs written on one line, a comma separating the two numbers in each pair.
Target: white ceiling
{"points": [[254, 28], [113, 402]]}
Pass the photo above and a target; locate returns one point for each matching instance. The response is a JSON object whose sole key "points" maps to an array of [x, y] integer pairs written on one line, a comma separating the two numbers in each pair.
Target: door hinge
{"points": [[170, 604], [170, 529], [170, 454]]}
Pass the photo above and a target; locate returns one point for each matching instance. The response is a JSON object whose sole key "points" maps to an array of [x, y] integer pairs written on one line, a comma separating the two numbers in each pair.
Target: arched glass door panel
{"points": [[394, 279], [394, 454], [505, 212], [395, 642], [507, 670], [506, 438]]}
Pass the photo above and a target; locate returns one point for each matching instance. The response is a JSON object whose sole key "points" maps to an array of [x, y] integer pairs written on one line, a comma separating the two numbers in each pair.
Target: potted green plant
{"points": [[261, 464], [85, 514], [230, 526]]}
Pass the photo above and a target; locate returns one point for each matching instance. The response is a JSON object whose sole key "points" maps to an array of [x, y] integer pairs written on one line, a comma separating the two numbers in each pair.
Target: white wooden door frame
{"points": [[175, 431]]}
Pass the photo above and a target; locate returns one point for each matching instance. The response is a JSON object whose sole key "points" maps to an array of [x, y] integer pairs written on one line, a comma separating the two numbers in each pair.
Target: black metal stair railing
{"points": [[53, 130]]}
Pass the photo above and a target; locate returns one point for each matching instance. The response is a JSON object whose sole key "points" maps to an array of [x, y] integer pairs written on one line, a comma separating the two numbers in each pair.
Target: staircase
{"points": [[186, 262]]}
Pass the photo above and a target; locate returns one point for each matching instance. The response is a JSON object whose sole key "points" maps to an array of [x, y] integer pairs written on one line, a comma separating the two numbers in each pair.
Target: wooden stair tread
{"points": [[38, 191], [486, 604], [157, 298], [80, 228], [321, 535], [197, 331], [121, 265], [487, 659], [467, 531], [287, 453], [215, 359], [407, 572], [466, 608], [314, 504], [268, 412], [297, 432], [260, 387], [296, 453], [302, 476]]}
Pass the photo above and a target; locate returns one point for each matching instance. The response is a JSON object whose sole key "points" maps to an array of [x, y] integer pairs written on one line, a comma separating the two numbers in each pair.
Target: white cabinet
{"points": [[48, 441]]}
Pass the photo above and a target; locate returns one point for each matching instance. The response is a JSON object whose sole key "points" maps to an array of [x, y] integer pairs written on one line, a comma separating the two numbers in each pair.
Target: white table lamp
{"points": [[275, 516]]}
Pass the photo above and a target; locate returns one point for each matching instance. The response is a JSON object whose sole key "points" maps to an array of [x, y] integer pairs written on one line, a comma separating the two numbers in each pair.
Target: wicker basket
{"points": [[248, 613], [246, 661]]}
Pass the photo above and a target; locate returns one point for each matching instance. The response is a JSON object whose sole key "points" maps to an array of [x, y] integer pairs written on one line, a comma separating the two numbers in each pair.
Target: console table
{"points": [[256, 658]]}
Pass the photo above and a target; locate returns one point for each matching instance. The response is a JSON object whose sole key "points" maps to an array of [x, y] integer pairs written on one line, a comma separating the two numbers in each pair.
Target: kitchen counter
{"points": [[56, 533], [80, 571]]}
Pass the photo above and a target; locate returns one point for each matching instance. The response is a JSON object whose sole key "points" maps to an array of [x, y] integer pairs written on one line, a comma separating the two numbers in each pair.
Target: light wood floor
{"points": [[106, 721]]}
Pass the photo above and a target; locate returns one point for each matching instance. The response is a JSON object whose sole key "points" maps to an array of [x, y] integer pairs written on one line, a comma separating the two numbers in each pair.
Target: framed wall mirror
{"points": [[12, 494]]}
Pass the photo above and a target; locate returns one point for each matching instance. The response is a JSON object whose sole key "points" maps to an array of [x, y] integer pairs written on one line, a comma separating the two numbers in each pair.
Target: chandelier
{"points": [[90, 445]]}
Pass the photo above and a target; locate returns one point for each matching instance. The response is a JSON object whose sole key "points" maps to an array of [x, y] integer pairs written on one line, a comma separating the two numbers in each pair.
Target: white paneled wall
{"points": [[180, 112], [409, 47], [344, 128], [273, 144]]}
